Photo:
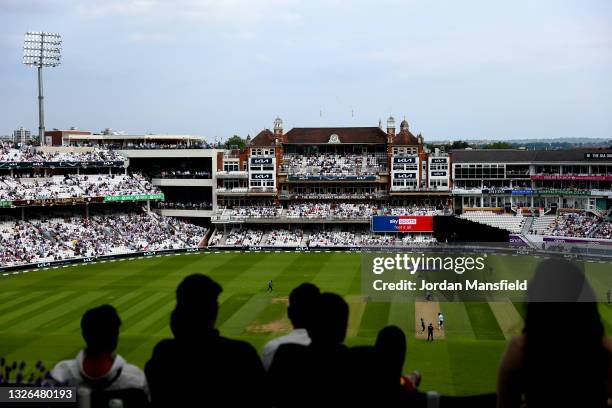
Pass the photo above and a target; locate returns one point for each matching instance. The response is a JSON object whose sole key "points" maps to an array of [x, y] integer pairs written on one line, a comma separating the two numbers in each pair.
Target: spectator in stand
{"points": [[199, 365], [301, 301], [315, 375], [572, 370], [97, 366]]}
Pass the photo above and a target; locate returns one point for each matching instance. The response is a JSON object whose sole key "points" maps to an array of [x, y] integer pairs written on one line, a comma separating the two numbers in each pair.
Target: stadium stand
{"points": [[70, 186], [574, 225], [512, 223], [334, 165], [27, 153], [69, 236]]}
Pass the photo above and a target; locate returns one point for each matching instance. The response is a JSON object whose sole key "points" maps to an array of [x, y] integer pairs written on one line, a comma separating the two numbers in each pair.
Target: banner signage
{"points": [[404, 160], [438, 161], [402, 223], [564, 192], [598, 156], [332, 178], [438, 174], [570, 177], [404, 176], [61, 164], [257, 161], [135, 197], [261, 176]]}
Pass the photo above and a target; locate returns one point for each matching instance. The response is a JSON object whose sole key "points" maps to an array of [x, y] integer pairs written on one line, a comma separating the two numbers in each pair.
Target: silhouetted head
{"points": [[100, 328], [329, 320], [301, 304], [391, 347], [196, 305], [559, 298]]}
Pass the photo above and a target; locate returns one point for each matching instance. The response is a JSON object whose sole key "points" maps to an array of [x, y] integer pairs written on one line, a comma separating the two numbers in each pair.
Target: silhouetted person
{"points": [[199, 367], [422, 325], [97, 366], [391, 353], [430, 331], [316, 374], [552, 364], [301, 303]]}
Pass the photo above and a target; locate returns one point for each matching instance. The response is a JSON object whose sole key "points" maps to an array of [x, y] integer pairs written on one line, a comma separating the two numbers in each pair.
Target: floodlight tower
{"points": [[40, 50]]}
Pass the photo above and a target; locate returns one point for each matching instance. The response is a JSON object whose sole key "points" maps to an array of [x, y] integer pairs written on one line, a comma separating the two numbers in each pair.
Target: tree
{"points": [[459, 144], [498, 145], [235, 142]]}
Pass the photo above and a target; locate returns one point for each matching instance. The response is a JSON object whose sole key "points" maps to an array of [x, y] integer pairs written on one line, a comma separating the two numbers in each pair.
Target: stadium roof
{"points": [[404, 137], [347, 135], [263, 138], [529, 156]]}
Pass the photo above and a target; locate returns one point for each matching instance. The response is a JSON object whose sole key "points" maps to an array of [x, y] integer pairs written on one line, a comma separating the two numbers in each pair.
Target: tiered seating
{"points": [[70, 186], [543, 225], [512, 223], [9, 153], [58, 238], [333, 165]]}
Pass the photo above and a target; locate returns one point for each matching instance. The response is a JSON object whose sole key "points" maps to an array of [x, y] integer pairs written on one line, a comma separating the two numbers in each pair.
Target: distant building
{"points": [[21, 136]]}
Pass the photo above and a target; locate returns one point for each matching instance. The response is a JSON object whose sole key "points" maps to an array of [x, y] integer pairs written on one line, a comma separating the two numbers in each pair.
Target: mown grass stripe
{"points": [[483, 321], [231, 306], [69, 307], [159, 310], [356, 308], [72, 322], [457, 323], [248, 313], [17, 302], [401, 314], [37, 308], [375, 317]]}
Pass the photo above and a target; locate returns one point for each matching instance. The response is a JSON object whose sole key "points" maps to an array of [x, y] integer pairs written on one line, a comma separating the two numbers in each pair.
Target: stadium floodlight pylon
{"points": [[41, 49]]}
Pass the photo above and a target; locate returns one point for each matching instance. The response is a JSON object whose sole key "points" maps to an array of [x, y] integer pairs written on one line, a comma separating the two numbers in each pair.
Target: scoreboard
{"points": [[402, 223]]}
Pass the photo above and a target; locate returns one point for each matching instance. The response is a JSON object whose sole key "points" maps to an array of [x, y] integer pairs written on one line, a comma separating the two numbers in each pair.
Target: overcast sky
{"points": [[453, 69]]}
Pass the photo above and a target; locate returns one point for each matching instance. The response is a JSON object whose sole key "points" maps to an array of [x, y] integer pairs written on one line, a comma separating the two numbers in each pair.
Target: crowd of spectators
{"points": [[574, 224], [413, 210], [72, 185], [284, 237], [66, 237], [28, 153], [185, 174], [370, 239], [604, 231], [322, 210], [331, 210], [253, 212], [183, 206], [334, 165], [332, 239]]}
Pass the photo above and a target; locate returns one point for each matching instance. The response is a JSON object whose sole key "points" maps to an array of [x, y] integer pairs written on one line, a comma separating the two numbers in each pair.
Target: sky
{"points": [[453, 69]]}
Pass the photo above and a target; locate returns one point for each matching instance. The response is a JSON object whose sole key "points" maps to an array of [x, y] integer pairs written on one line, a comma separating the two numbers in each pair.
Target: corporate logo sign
{"points": [[404, 176], [402, 223], [261, 176], [261, 160], [439, 161], [404, 160], [598, 156]]}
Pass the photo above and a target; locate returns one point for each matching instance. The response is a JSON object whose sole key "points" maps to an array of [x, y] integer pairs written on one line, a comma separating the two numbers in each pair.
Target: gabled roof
{"points": [[263, 139], [350, 135], [404, 138]]}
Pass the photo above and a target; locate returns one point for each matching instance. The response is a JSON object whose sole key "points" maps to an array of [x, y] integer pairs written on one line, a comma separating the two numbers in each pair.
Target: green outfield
{"points": [[40, 311]]}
